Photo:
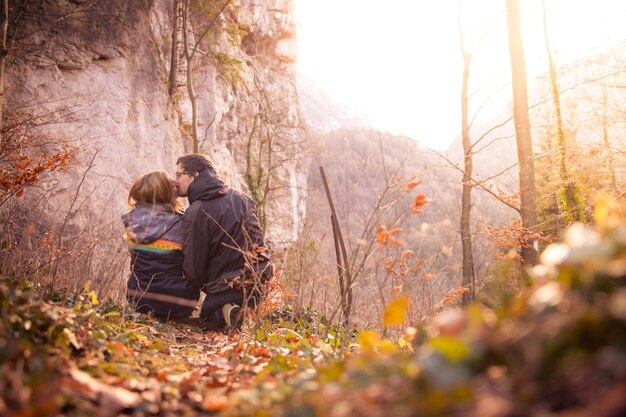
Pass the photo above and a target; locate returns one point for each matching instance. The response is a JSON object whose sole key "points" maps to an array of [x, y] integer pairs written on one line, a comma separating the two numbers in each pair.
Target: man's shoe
{"points": [[233, 316]]}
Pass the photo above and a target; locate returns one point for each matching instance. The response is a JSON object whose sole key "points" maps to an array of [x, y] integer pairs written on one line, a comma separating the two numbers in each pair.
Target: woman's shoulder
{"points": [[154, 209], [151, 222]]}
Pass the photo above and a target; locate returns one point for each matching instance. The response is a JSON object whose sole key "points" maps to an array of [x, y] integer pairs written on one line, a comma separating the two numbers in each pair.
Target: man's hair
{"points": [[195, 162], [154, 188]]}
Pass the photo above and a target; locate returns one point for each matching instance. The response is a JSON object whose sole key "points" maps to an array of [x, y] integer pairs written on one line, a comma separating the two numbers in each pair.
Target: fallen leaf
{"points": [[215, 403], [113, 397]]}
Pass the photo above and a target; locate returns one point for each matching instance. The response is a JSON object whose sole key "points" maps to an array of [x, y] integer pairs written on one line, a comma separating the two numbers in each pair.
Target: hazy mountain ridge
{"points": [[323, 114]]}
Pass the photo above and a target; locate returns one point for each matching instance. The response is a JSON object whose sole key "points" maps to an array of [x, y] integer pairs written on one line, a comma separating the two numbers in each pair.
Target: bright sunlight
{"points": [[399, 62]]}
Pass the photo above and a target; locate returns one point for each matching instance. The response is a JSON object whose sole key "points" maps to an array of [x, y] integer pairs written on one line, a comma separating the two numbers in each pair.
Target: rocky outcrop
{"points": [[96, 73]]}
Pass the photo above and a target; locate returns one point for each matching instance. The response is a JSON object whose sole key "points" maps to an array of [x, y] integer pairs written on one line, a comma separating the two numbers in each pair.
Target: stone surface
{"points": [[108, 66]]}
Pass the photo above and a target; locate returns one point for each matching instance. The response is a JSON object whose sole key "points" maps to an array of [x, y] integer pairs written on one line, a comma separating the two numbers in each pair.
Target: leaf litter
{"points": [[558, 348]]}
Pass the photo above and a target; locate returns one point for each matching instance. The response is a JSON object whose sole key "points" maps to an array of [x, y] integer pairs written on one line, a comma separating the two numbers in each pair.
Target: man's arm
{"points": [[195, 248]]}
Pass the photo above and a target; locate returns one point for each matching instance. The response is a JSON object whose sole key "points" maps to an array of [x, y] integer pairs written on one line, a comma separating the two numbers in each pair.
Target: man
{"points": [[223, 247]]}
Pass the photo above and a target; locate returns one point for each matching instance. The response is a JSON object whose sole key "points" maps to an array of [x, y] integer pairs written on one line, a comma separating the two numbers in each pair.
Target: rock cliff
{"points": [[95, 76]]}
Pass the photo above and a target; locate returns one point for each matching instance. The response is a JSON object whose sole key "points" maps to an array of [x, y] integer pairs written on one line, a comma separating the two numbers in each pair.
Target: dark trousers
{"points": [[212, 305]]}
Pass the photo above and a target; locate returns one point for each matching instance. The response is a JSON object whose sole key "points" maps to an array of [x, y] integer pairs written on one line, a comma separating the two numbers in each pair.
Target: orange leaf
{"points": [[395, 311], [384, 236], [410, 185], [262, 351], [381, 235], [419, 202], [389, 261]]}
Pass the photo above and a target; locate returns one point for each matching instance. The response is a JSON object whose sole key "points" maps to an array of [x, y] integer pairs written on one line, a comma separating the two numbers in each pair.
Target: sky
{"points": [[399, 61]]}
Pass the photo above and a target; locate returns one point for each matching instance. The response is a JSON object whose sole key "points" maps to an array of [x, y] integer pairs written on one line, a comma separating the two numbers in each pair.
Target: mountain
{"points": [[321, 113]]}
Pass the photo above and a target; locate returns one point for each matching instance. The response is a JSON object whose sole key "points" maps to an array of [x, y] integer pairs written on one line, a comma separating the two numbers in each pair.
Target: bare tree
{"points": [[191, 43], [466, 196], [528, 197], [175, 56], [571, 205], [345, 280], [274, 144], [606, 139], [468, 279]]}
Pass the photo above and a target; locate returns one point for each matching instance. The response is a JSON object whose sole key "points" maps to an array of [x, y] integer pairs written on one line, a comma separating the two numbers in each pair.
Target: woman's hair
{"points": [[154, 188]]}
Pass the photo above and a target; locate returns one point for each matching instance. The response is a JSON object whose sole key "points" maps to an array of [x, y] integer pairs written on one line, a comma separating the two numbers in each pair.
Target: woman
{"points": [[154, 233]]}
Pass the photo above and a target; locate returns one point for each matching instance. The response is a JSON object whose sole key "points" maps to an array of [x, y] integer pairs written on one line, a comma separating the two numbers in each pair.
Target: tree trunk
{"points": [[173, 79], [190, 87], [345, 278], [4, 27], [466, 198], [528, 198], [605, 138], [572, 208]]}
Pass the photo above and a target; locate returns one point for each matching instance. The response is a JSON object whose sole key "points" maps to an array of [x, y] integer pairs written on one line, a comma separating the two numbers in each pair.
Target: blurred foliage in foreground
{"points": [[558, 348]]}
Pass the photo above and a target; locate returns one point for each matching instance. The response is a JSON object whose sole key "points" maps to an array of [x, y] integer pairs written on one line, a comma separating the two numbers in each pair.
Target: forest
{"points": [[486, 280]]}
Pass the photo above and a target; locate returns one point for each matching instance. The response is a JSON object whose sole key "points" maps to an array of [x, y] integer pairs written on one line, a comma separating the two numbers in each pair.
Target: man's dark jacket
{"points": [[223, 238]]}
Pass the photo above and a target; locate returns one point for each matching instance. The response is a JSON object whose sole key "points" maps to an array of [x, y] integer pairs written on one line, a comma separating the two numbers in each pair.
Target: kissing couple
{"points": [[215, 246]]}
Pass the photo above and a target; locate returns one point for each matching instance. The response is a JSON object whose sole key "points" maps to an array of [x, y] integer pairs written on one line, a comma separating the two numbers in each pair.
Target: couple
{"points": [[216, 246]]}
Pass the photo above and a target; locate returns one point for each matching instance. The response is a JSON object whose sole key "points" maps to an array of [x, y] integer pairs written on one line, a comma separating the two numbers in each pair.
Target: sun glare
{"points": [[399, 61]]}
